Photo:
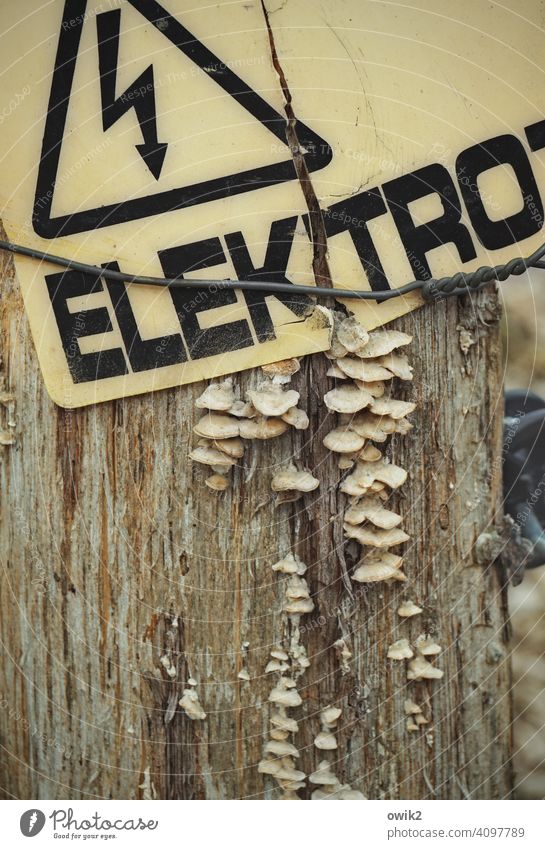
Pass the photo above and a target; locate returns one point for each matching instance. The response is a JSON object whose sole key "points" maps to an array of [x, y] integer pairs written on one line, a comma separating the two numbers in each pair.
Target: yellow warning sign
{"points": [[151, 138]]}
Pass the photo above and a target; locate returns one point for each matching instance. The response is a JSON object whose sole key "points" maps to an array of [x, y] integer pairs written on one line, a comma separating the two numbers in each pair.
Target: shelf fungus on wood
{"points": [[421, 669], [366, 363], [267, 412], [190, 703], [400, 650], [292, 483], [287, 662], [408, 608]]}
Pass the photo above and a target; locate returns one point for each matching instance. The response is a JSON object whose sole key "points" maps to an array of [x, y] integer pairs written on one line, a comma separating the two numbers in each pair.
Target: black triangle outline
{"points": [[318, 152]]}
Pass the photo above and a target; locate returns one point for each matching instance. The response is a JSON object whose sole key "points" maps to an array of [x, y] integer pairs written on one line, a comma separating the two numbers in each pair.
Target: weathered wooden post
{"points": [[116, 556], [144, 627]]}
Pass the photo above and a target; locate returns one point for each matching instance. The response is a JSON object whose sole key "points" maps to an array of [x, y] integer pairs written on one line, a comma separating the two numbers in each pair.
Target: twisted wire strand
{"points": [[431, 290]]}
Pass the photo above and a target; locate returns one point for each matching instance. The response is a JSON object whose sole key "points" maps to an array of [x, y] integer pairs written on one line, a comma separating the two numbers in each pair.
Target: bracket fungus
{"points": [[408, 608], [380, 566], [190, 703], [269, 399], [427, 646], [371, 508], [267, 412], [217, 396], [420, 669], [290, 479], [400, 650], [347, 399], [343, 441]]}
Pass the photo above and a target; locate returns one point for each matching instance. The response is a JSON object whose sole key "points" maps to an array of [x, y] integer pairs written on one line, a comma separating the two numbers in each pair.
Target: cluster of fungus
{"points": [[287, 663], [265, 413], [190, 701], [328, 785], [366, 364], [419, 667]]}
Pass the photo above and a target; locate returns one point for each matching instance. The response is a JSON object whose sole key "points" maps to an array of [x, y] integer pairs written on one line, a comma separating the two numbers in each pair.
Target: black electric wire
{"points": [[457, 284]]}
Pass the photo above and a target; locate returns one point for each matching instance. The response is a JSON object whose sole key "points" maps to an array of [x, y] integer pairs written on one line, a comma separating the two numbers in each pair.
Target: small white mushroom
{"points": [[271, 400], [427, 646], [396, 364], [402, 426], [370, 508], [368, 371], [232, 447], [288, 773], [383, 566], [290, 478], [376, 388], [325, 740], [298, 606], [191, 705], [411, 724], [376, 537], [370, 453], [347, 793], [269, 766], [392, 407], [297, 587], [347, 399], [286, 723], [400, 650], [296, 418], [262, 428], [209, 456], [289, 565], [323, 775], [408, 608], [242, 410], [280, 654], [330, 715], [372, 427], [244, 675], [346, 461], [275, 665], [343, 441], [217, 426], [382, 342], [281, 748], [281, 695], [217, 396], [366, 473], [420, 668], [217, 483], [411, 707]]}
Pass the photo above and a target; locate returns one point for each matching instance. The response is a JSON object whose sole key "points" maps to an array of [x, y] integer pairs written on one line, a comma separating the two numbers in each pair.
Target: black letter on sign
{"points": [[418, 239], [274, 269], [502, 150], [201, 342], [74, 326], [353, 215], [535, 134], [143, 354]]}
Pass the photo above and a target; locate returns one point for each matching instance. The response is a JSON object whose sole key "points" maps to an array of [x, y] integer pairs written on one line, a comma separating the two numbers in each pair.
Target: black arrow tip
{"points": [[153, 154]]}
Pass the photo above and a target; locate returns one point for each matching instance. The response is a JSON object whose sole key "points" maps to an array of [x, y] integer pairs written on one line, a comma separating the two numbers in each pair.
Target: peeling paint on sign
{"points": [[152, 137]]}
